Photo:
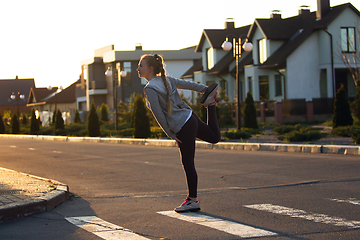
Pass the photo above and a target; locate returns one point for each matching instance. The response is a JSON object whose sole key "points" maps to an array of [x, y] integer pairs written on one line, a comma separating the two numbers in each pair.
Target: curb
{"points": [[44, 203], [301, 148]]}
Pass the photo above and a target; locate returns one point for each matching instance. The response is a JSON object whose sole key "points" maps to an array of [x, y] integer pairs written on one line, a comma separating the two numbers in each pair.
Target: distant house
{"points": [[17, 87], [45, 101], [97, 87], [296, 57]]}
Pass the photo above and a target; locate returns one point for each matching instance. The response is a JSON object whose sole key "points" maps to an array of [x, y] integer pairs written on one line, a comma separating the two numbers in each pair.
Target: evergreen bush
{"points": [[77, 117], [34, 123], [250, 120], [141, 121], [24, 119], [59, 121], [2, 125], [104, 113], [236, 134], [93, 125], [342, 113], [15, 126]]}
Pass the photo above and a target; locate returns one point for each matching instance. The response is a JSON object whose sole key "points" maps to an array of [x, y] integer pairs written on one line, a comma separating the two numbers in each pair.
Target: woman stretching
{"points": [[177, 119]]}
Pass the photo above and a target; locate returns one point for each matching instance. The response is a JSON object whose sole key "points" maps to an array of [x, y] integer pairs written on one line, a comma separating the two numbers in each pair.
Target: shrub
{"points": [[303, 134], [342, 131], [2, 125], [282, 129], [250, 120], [77, 117], [355, 134], [342, 113], [236, 134], [15, 126], [140, 119], [104, 113], [93, 126], [59, 121], [34, 123]]}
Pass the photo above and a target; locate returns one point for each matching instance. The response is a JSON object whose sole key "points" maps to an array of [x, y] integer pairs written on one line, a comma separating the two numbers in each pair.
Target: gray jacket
{"points": [[157, 101]]}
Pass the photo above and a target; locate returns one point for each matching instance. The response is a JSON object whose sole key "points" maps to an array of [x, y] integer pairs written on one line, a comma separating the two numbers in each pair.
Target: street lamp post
{"points": [[236, 46], [109, 73], [17, 97]]}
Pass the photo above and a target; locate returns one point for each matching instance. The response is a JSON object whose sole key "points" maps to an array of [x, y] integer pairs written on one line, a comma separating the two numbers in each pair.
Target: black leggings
{"points": [[195, 128]]}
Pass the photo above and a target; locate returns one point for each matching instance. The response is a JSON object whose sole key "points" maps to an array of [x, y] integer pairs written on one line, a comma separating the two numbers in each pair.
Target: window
{"points": [[348, 39], [126, 66], [264, 87], [262, 51], [210, 58], [224, 86], [250, 85], [278, 85]]}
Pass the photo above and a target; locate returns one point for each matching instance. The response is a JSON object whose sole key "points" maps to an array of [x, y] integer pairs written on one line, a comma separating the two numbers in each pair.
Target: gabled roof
{"points": [[42, 96], [295, 31], [196, 67], [8, 86], [216, 37]]}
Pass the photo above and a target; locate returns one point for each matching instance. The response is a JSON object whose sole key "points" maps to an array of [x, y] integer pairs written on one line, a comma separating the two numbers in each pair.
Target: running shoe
{"points": [[209, 97], [188, 206]]}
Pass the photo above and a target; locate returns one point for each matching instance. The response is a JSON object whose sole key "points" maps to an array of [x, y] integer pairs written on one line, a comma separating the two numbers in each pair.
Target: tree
{"points": [[104, 113], [355, 106], [141, 122], [59, 121], [34, 123], [15, 126], [250, 120], [2, 125], [93, 125], [77, 117], [342, 113], [24, 119]]}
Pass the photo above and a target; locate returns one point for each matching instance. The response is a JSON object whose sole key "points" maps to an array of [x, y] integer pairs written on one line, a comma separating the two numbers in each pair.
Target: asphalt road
{"points": [[289, 195]]}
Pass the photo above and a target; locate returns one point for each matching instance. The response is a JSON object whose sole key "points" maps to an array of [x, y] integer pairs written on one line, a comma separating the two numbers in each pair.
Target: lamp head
{"points": [[247, 46], [226, 45]]}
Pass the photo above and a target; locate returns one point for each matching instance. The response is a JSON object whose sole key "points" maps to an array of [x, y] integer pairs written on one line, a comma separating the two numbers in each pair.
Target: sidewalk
{"points": [[22, 194]]}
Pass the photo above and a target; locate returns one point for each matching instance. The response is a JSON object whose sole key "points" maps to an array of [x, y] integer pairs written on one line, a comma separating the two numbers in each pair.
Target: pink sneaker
{"points": [[188, 206], [210, 95]]}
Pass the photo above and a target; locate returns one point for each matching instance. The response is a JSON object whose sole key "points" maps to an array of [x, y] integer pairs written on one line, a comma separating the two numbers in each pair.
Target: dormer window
{"points": [[348, 39]]}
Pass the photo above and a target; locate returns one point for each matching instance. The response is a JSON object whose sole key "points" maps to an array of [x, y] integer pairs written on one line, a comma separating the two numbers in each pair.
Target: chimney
{"points": [[138, 46], [229, 24], [275, 14], [304, 9], [323, 7]]}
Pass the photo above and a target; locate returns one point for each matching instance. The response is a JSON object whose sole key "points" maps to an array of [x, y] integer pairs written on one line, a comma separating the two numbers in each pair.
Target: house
{"points": [[97, 87], [17, 87], [292, 58], [44, 101]]}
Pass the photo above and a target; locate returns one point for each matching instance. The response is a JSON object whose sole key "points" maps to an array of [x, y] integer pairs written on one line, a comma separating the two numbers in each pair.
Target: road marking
{"points": [[57, 152], [103, 229], [296, 213], [13, 146], [350, 200], [32, 149], [233, 228]]}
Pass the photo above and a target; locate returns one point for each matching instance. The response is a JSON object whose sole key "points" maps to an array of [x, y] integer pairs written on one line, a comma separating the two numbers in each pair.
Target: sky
{"points": [[46, 40]]}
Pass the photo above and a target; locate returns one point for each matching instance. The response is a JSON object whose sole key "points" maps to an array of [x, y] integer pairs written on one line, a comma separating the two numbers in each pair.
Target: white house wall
{"points": [[303, 73]]}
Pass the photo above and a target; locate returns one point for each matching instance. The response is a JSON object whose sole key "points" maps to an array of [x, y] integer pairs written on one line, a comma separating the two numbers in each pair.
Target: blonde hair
{"points": [[158, 64]]}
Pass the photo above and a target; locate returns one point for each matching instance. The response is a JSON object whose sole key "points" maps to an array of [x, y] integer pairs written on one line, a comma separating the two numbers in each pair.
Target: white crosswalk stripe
{"points": [[233, 228], [103, 229], [296, 213], [350, 200]]}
